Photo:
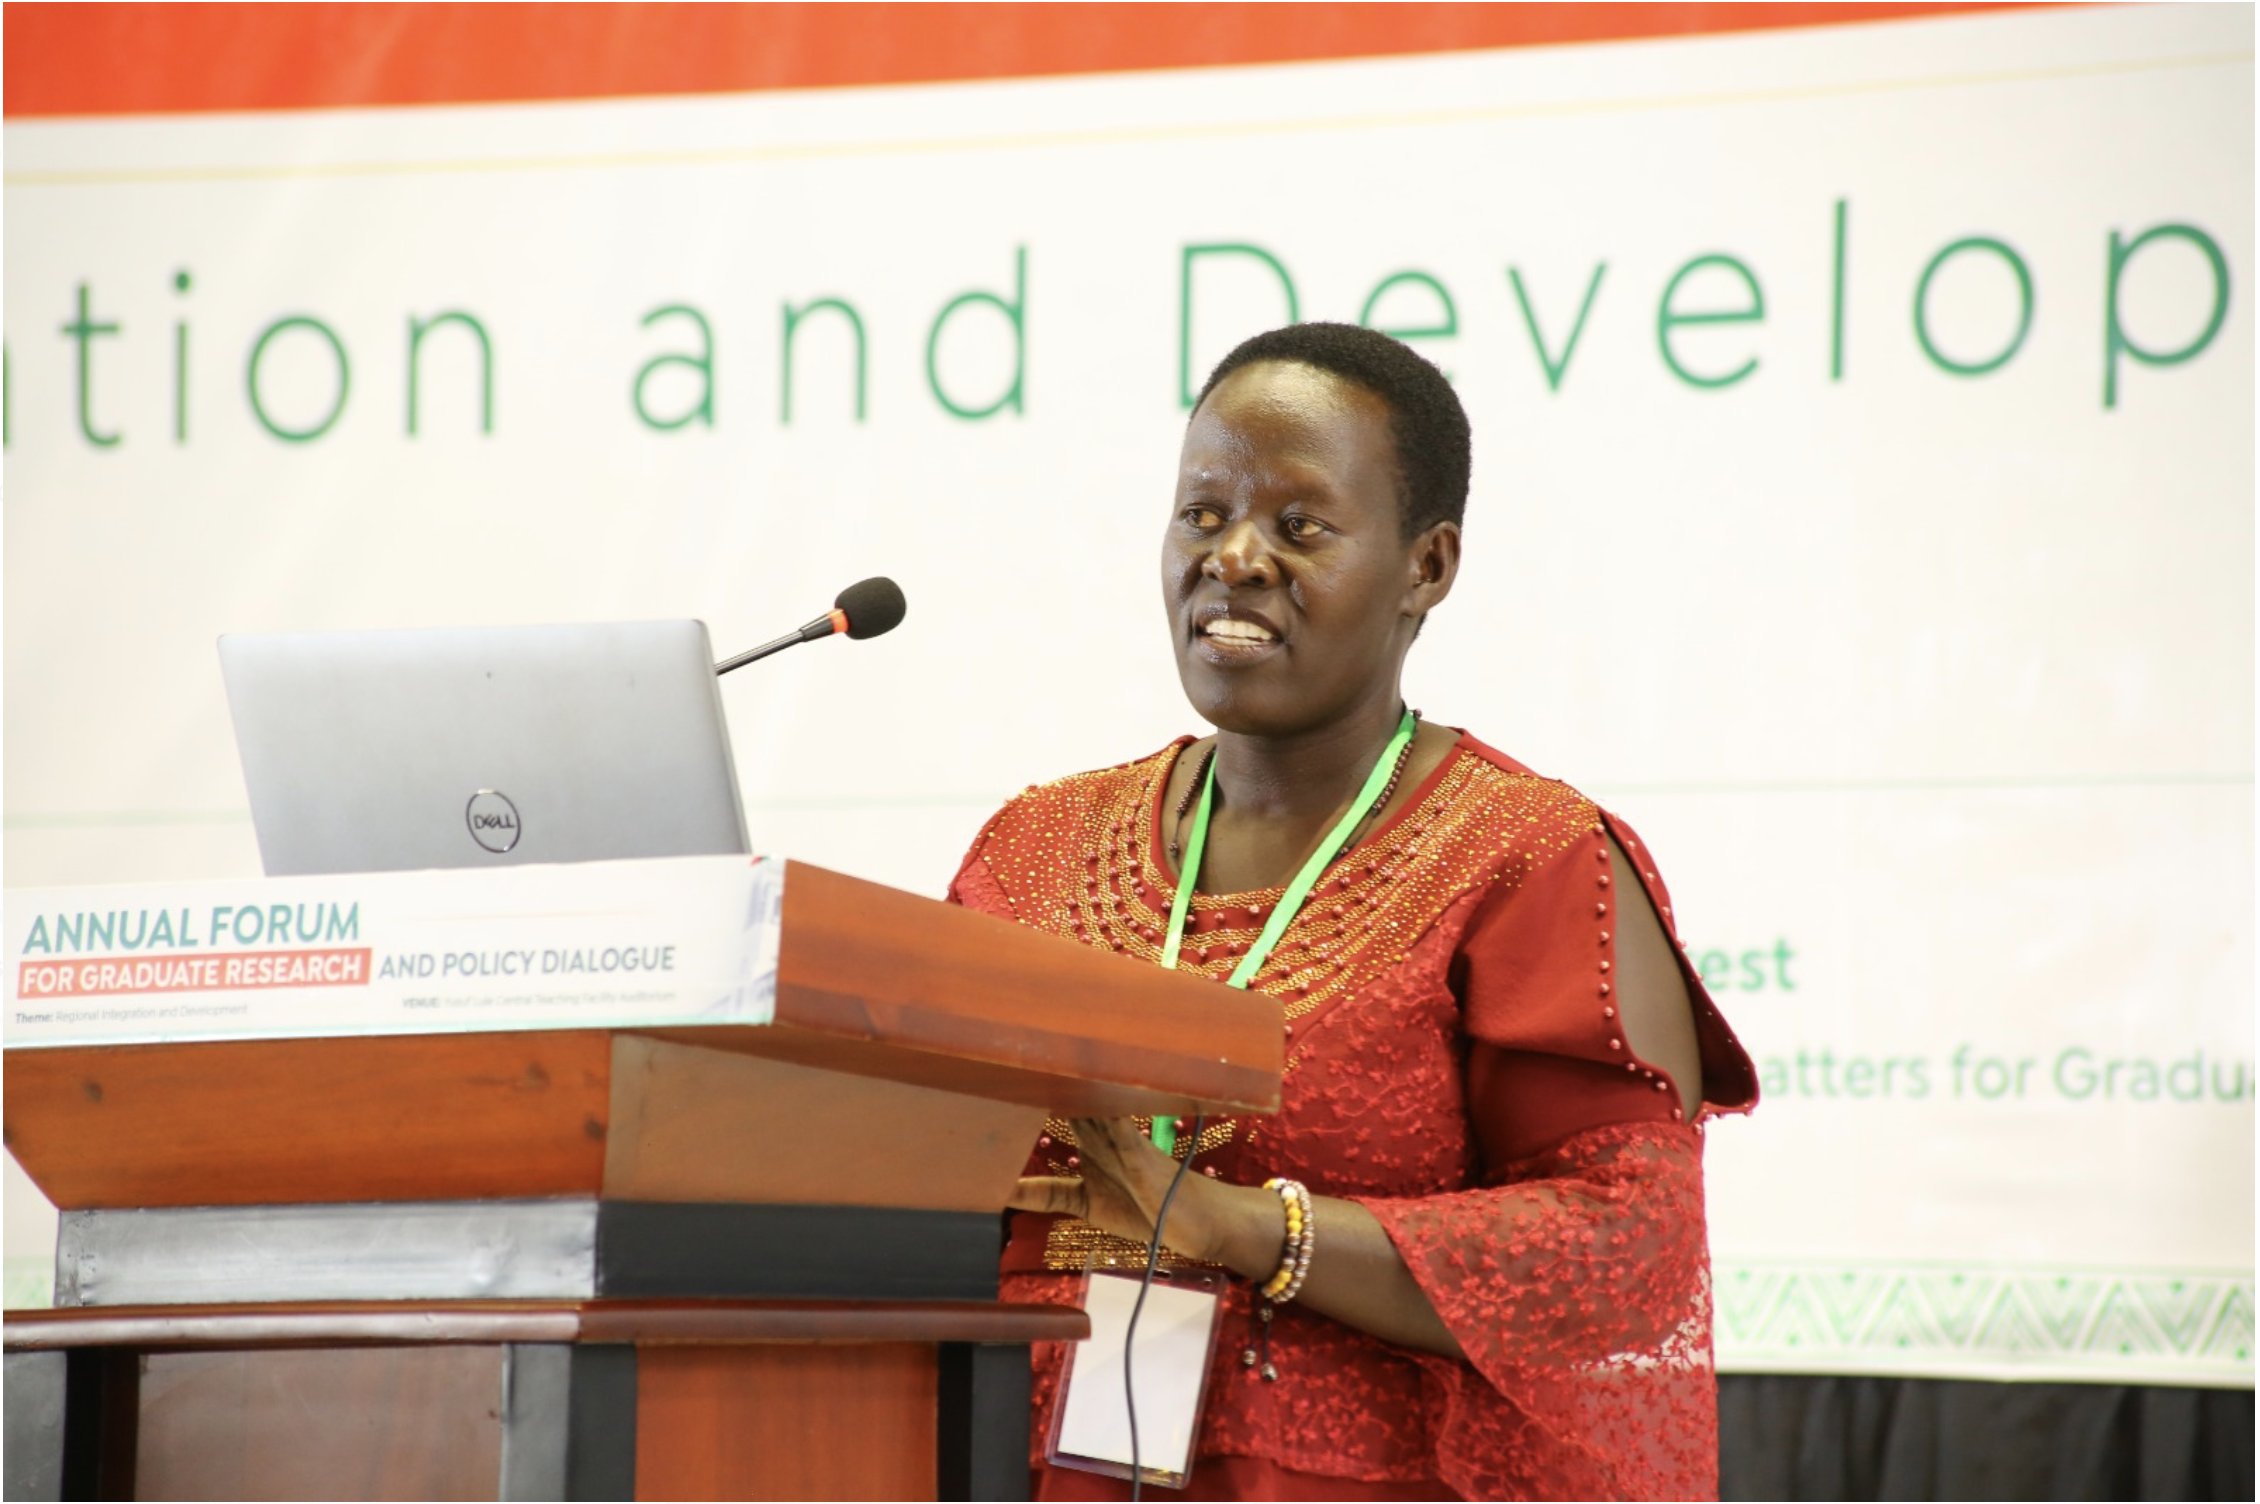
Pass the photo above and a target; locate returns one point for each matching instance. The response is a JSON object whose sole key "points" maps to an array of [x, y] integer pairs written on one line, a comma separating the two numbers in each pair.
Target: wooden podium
{"points": [[704, 1261]]}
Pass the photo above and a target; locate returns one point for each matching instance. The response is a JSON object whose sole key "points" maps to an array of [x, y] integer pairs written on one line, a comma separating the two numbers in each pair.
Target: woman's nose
{"points": [[1240, 557]]}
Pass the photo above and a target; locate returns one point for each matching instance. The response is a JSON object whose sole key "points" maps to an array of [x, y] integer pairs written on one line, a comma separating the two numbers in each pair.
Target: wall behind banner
{"points": [[1863, 507]]}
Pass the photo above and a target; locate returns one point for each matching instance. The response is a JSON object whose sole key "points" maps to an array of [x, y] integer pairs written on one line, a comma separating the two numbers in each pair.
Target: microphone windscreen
{"points": [[872, 606]]}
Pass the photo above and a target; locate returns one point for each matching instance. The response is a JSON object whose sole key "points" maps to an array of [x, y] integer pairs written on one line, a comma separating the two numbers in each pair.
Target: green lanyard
{"points": [[1165, 1129]]}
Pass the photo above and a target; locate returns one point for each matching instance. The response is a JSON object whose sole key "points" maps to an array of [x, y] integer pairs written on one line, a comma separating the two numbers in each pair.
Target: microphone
{"points": [[865, 609]]}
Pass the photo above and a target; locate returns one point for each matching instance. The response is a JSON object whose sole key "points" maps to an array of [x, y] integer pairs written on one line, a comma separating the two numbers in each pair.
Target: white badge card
{"points": [[1176, 1339]]}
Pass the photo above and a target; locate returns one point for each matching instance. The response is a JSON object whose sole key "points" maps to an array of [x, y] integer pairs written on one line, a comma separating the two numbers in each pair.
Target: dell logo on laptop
{"points": [[493, 820]]}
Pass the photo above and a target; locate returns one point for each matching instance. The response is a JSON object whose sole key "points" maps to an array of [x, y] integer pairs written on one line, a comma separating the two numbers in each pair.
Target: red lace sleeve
{"points": [[1575, 1276], [1579, 1291]]}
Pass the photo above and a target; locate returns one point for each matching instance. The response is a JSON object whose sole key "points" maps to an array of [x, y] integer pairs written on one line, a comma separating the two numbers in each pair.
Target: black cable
{"points": [[1130, 1334]]}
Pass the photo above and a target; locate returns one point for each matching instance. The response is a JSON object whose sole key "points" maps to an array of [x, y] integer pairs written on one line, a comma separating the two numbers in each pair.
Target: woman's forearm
{"points": [[1357, 1277]]}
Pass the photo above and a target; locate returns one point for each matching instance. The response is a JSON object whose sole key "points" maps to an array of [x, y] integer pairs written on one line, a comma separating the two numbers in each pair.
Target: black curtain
{"points": [[1784, 1437]]}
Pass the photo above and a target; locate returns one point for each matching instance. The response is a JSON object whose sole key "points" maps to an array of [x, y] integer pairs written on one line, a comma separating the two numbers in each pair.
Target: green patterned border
{"points": [[2092, 1324], [2086, 1323]]}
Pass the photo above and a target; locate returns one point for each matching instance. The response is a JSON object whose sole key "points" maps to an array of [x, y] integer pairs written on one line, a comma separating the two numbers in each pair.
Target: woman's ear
{"points": [[1435, 564]]}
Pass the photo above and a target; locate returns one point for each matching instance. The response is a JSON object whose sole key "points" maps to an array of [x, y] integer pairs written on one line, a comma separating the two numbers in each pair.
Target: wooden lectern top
{"points": [[905, 1031]]}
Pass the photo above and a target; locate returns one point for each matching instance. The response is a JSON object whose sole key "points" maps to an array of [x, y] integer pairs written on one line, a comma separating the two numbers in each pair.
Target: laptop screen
{"points": [[482, 746]]}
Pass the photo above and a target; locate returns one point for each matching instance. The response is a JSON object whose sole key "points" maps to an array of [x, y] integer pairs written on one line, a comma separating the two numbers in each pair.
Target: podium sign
{"points": [[684, 940]]}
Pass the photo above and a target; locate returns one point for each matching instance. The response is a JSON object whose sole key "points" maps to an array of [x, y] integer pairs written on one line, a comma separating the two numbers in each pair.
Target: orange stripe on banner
{"points": [[78, 59]]}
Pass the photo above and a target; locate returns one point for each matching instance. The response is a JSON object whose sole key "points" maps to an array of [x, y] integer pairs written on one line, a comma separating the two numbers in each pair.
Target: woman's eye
{"points": [[1201, 517], [1304, 528]]}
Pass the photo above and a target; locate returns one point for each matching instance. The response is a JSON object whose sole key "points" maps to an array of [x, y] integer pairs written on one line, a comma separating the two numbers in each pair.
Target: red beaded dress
{"points": [[1575, 1275]]}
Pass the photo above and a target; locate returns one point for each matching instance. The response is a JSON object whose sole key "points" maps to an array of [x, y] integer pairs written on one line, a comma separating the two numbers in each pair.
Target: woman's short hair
{"points": [[1427, 421]]}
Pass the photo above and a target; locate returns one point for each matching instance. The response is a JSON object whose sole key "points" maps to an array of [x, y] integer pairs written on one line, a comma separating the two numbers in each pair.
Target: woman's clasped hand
{"points": [[1119, 1187]]}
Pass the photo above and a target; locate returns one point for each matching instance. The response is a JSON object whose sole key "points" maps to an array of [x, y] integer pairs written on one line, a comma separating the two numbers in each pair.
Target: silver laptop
{"points": [[482, 746]]}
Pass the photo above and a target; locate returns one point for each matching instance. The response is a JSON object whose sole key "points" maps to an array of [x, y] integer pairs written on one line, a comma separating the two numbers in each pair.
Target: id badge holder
{"points": [[1176, 1340]]}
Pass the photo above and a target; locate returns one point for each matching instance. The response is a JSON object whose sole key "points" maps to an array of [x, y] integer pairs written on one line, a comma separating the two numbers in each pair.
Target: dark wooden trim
{"points": [[689, 1249], [648, 1322], [101, 1423], [600, 1424], [981, 1421], [356, 1324], [651, 1324]]}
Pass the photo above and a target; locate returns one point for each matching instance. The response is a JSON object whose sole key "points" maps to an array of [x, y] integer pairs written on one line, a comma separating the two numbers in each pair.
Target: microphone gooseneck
{"points": [[865, 609]]}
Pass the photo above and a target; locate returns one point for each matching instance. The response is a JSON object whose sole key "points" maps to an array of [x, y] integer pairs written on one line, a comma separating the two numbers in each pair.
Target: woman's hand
{"points": [[1124, 1180], [1358, 1277]]}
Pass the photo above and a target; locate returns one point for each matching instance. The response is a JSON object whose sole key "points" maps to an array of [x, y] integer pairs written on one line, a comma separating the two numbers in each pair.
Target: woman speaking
{"points": [[1468, 1254]]}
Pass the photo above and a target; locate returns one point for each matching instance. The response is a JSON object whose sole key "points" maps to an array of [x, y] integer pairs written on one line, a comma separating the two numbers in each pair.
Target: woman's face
{"points": [[1292, 591]]}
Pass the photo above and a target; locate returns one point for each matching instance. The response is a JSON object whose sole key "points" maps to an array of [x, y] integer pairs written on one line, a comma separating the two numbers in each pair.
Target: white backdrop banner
{"points": [[1863, 506]]}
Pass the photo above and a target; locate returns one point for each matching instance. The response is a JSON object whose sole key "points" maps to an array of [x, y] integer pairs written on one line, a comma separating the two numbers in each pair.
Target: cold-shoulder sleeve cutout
{"points": [[1651, 990], [1575, 1274]]}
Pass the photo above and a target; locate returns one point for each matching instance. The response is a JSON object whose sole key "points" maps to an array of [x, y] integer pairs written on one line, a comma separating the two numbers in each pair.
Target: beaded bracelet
{"points": [[1287, 1281], [1294, 1258]]}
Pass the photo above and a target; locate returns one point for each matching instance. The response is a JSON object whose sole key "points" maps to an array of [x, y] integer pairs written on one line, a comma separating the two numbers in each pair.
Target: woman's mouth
{"points": [[1226, 639]]}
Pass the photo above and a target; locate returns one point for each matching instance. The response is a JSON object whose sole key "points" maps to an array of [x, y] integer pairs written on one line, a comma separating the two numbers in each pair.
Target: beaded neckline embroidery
{"points": [[1473, 822]]}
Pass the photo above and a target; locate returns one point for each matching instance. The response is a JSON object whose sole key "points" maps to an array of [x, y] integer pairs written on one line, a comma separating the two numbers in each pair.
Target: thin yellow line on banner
{"points": [[724, 156]]}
